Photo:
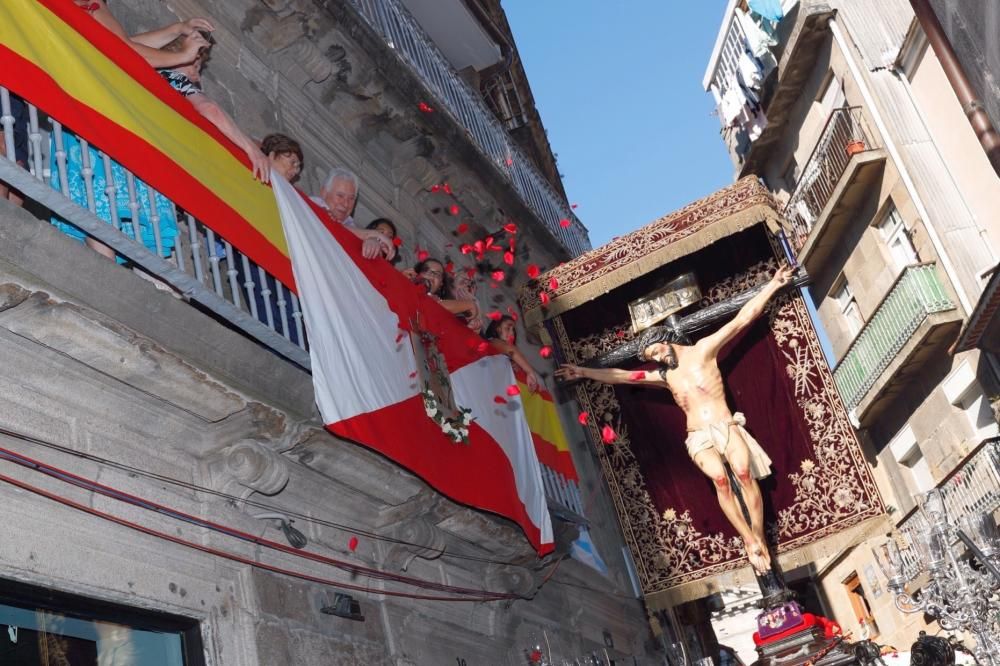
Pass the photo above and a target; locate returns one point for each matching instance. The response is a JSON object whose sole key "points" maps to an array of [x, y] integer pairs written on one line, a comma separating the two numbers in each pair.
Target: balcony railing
{"points": [[203, 266], [391, 20], [845, 134], [970, 489], [917, 294], [561, 490]]}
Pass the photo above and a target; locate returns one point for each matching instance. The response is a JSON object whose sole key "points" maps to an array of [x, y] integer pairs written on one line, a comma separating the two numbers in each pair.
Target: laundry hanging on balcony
{"points": [[394, 371]]}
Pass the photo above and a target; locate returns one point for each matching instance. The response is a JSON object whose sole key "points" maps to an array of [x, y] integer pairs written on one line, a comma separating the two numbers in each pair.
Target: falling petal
{"points": [[413, 374], [508, 258], [447, 188], [499, 400], [495, 315], [425, 107], [422, 255], [454, 210], [483, 347], [510, 228], [564, 223], [608, 434], [397, 241], [498, 276], [544, 297], [353, 543], [513, 390], [532, 271], [435, 188], [449, 268], [545, 351], [637, 376], [553, 284], [573, 206], [462, 228], [400, 337], [466, 248], [583, 417]]}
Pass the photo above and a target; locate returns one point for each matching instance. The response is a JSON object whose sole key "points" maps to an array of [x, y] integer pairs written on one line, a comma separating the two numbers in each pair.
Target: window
{"points": [[45, 627], [897, 239], [859, 603], [833, 96], [848, 307], [916, 471]]}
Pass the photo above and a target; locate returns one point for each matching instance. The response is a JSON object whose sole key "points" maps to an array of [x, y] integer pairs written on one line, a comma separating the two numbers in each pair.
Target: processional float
{"points": [[692, 269]]}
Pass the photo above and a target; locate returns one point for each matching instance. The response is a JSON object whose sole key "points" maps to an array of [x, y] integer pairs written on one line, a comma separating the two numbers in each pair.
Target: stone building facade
{"points": [[890, 207], [117, 381]]}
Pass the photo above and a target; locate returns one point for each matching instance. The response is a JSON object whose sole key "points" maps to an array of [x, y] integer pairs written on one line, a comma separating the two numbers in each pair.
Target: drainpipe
{"points": [[904, 174], [971, 105]]}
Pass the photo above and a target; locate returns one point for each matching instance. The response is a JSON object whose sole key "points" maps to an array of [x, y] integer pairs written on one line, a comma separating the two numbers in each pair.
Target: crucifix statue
{"points": [[690, 371]]}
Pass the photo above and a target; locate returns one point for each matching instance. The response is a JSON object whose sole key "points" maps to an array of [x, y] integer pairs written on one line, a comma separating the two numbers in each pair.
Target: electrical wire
{"points": [[140, 502], [260, 505], [233, 557]]}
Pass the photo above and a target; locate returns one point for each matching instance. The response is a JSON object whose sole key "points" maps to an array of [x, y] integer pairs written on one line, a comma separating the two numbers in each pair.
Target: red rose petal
{"points": [[466, 248], [483, 347], [495, 315], [553, 284], [508, 258], [532, 271], [353, 543], [608, 434], [638, 375], [400, 337], [435, 188], [425, 107], [513, 390], [397, 241], [422, 255], [545, 351], [544, 297], [510, 228], [471, 272], [499, 400], [490, 242], [454, 209], [497, 275], [573, 206], [619, 334], [413, 374], [449, 268], [510, 161], [511, 242], [583, 417], [564, 223], [513, 315], [447, 188], [462, 228]]}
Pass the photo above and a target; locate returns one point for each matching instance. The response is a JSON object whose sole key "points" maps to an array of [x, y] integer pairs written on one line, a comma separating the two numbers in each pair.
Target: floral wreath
{"points": [[457, 429]]}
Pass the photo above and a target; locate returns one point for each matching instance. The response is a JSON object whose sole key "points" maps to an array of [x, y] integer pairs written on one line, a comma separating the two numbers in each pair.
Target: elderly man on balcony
{"points": [[337, 197]]}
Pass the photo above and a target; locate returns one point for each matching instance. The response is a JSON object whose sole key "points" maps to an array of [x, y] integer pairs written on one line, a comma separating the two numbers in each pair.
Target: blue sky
{"points": [[618, 86]]}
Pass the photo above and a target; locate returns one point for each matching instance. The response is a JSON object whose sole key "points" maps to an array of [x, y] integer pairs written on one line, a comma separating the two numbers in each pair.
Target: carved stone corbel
{"points": [[245, 468], [509, 578], [413, 522]]}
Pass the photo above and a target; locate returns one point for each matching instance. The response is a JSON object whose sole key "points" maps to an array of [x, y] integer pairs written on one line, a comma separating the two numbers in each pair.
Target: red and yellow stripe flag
{"points": [[546, 428], [56, 56]]}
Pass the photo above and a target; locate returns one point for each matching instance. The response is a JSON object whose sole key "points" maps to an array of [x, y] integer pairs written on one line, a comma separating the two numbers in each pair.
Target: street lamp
{"points": [[963, 590]]}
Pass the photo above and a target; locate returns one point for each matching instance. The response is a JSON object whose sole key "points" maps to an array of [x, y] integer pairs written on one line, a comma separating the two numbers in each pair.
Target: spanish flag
{"points": [[56, 56], [546, 429]]}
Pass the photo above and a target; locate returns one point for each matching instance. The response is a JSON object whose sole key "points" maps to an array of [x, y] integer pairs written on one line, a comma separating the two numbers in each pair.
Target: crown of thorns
{"points": [[638, 345]]}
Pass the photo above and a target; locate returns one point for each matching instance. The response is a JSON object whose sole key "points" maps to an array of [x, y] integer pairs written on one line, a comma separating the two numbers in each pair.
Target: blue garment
{"points": [[102, 204], [769, 9]]}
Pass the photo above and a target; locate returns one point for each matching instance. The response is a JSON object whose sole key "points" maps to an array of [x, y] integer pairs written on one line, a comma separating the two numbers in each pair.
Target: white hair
{"points": [[339, 173]]}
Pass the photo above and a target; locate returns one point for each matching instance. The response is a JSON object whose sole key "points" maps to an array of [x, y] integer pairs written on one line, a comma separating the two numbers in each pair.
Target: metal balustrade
{"points": [[845, 134], [725, 74], [561, 490], [970, 489], [403, 34], [202, 267], [916, 294]]}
